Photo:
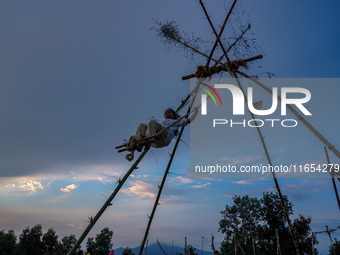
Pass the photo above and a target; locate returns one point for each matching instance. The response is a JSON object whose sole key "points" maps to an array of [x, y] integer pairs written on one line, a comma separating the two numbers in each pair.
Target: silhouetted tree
{"points": [[103, 243], [334, 249], [50, 242], [255, 223], [66, 244], [91, 243], [191, 250], [7, 242], [127, 251], [30, 241]]}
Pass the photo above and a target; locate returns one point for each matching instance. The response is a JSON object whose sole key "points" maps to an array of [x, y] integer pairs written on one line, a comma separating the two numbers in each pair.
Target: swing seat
{"points": [[135, 143]]}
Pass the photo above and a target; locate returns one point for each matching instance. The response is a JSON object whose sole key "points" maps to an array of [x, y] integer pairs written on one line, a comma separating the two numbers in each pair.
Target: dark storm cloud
{"points": [[73, 83], [58, 101]]}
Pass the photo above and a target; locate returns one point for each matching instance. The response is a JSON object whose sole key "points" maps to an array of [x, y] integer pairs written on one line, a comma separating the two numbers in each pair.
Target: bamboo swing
{"points": [[135, 142], [232, 67]]}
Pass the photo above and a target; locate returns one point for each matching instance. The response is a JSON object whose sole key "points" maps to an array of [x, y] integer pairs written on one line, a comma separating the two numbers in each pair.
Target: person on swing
{"points": [[165, 137]]}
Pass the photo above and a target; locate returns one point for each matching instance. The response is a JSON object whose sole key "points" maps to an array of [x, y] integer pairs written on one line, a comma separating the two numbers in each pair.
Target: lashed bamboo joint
{"points": [[229, 66]]}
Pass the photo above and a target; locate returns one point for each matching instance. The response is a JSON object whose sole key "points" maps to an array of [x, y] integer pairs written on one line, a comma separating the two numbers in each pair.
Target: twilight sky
{"points": [[78, 77]]}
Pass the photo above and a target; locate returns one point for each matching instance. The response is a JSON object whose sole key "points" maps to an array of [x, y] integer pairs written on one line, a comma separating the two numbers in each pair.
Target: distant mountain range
{"points": [[154, 249]]}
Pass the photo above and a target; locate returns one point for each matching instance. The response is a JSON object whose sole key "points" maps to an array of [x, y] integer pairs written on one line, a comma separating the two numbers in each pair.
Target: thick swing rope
{"points": [[274, 175]]}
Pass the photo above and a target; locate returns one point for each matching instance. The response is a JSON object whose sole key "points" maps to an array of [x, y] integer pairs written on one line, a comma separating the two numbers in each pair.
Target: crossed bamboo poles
{"points": [[207, 72], [134, 166]]}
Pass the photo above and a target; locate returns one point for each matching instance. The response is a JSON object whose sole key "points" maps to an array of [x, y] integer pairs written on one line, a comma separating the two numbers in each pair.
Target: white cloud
{"points": [[141, 189], [240, 160], [201, 186], [32, 186], [22, 184], [68, 188], [78, 226], [181, 179], [229, 195], [244, 182], [102, 173]]}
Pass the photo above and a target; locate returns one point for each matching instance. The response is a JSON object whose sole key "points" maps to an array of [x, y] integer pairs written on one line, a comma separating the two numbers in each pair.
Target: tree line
{"points": [[258, 226], [250, 225], [32, 241]]}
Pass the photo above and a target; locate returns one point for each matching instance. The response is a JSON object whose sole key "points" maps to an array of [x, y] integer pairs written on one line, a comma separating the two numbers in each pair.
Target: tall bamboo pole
{"points": [[221, 31], [172, 246], [162, 185], [107, 203], [332, 176], [274, 175], [312, 243], [213, 28], [167, 170], [159, 193], [298, 115]]}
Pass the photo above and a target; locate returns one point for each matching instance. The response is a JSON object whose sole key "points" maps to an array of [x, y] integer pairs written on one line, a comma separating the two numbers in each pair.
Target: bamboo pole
{"points": [[159, 193], [237, 39], [299, 116], [273, 173], [107, 203], [192, 48], [332, 176], [222, 67], [219, 35], [185, 44], [213, 28], [162, 183]]}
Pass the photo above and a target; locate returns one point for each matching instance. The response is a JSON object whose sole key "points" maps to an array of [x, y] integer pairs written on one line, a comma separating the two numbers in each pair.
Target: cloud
{"points": [[244, 182], [240, 160], [78, 226], [230, 194], [31, 186], [140, 188], [57, 199], [201, 186], [102, 173], [68, 188], [181, 179]]}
